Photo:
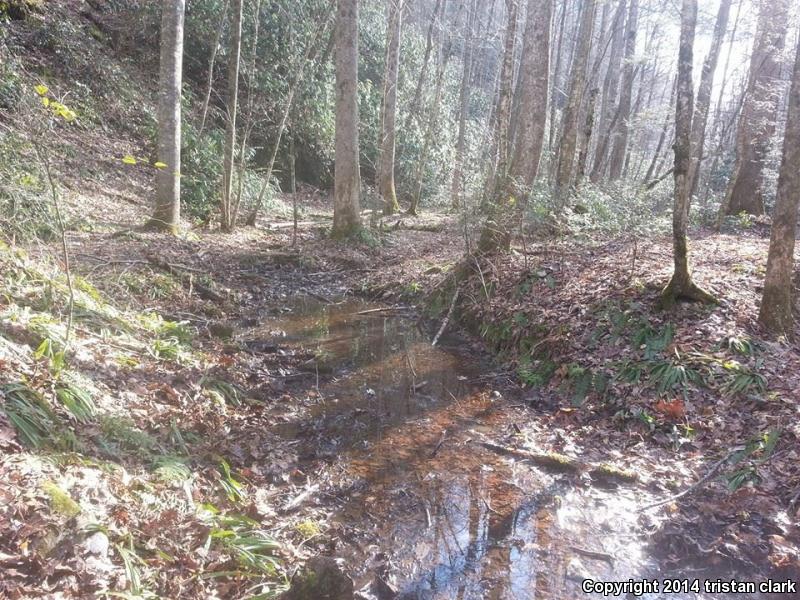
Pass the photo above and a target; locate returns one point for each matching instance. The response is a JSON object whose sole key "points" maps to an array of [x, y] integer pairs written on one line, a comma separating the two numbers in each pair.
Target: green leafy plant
{"points": [[172, 469], [233, 489], [668, 376], [253, 548], [745, 381], [77, 401], [230, 393], [32, 417], [760, 449]]}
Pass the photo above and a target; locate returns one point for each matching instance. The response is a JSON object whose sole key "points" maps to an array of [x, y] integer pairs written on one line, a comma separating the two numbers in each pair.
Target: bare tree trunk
{"points": [[534, 75], [534, 80], [167, 213], [681, 284], [651, 170], [226, 221], [347, 175], [297, 80], [428, 135], [703, 103], [556, 76], [757, 121], [503, 117], [211, 62], [610, 91], [776, 305], [414, 106], [386, 186], [586, 137], [458, 169], [569, 133], [620, 136], [248, 114]]}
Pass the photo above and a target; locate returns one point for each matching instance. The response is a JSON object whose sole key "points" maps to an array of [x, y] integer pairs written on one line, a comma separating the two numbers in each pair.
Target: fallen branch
{"points": [[299, 499], [439, 445], [594, 555], [695, 486], [447, 318], [560, 463]]}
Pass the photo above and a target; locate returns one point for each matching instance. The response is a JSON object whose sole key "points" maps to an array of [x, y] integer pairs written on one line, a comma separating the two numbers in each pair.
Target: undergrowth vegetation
{"points": [[59, 409]]}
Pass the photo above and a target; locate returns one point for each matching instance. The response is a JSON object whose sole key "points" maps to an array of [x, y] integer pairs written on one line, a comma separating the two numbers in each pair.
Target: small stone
{"points": [[496, 394], [97, 544]]}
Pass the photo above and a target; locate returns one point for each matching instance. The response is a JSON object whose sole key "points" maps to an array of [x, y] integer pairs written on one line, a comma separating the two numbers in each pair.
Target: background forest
{"points": [[397, 298]]}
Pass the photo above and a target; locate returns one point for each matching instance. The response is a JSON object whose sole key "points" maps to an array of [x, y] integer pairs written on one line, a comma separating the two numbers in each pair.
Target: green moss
{"points": [[61, 503]]}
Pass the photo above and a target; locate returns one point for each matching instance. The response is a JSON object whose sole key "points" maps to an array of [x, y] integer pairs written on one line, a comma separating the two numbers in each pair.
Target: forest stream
{"points": [[427, 510]]}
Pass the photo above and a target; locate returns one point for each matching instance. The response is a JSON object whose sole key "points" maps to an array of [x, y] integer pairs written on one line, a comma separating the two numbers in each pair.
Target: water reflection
{"points": [[430, 511]]}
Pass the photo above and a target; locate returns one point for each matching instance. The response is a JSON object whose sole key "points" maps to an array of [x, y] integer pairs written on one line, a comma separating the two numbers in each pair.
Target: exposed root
{"points": [[683, 288]]}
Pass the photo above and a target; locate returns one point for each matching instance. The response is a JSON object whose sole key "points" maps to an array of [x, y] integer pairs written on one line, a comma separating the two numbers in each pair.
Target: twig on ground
{"points": [[447, 318], [695, 486]]}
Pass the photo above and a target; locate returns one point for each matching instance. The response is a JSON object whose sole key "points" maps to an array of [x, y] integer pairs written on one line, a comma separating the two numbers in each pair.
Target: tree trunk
{"points": [[167, 213], [211, 62], [226, 220], [651, 170], [704, 93], [681, 284], [534, 80], [386, 186], [776, 304], [610, 91], [413, 107], [248, 113], [620, 137], [586, 137], [461, 149], [297, 80], [556, 77], [757, 121], [347, 174], [532, 114], [503, 116], [569, 133]]}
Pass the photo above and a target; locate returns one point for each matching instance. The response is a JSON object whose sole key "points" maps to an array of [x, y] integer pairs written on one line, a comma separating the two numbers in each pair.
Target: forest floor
{"points": [[256, 401], [233, 405]]}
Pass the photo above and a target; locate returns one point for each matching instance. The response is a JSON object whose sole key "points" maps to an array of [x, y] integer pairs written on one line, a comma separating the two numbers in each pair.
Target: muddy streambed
{"points": [[418, 507]]}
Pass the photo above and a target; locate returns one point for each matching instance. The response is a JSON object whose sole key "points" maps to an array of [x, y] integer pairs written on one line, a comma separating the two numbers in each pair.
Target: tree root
{"points": [[686, 289]]}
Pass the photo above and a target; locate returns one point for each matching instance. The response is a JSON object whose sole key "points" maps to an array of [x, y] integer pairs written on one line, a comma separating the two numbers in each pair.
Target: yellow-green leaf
{"points": [[160, 165], [129, 160], [45, 101], [41, 89]]}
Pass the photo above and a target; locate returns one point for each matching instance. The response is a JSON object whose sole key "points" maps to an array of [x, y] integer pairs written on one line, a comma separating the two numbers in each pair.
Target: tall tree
{"points": [[347, 174], [534, 80], [531, 114], [681, 284], [704, 92], [569, 130], [413, 107], [757, 120], [227, 213], [443, 58], [386, 186], [503, 115], [461, 144], [211, 62], [610, 91], [620, 138], [776, 304], [167, 214]]}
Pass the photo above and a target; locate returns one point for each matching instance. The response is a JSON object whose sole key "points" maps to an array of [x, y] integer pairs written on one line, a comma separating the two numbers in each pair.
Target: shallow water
{"points": [[425, 510]]}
